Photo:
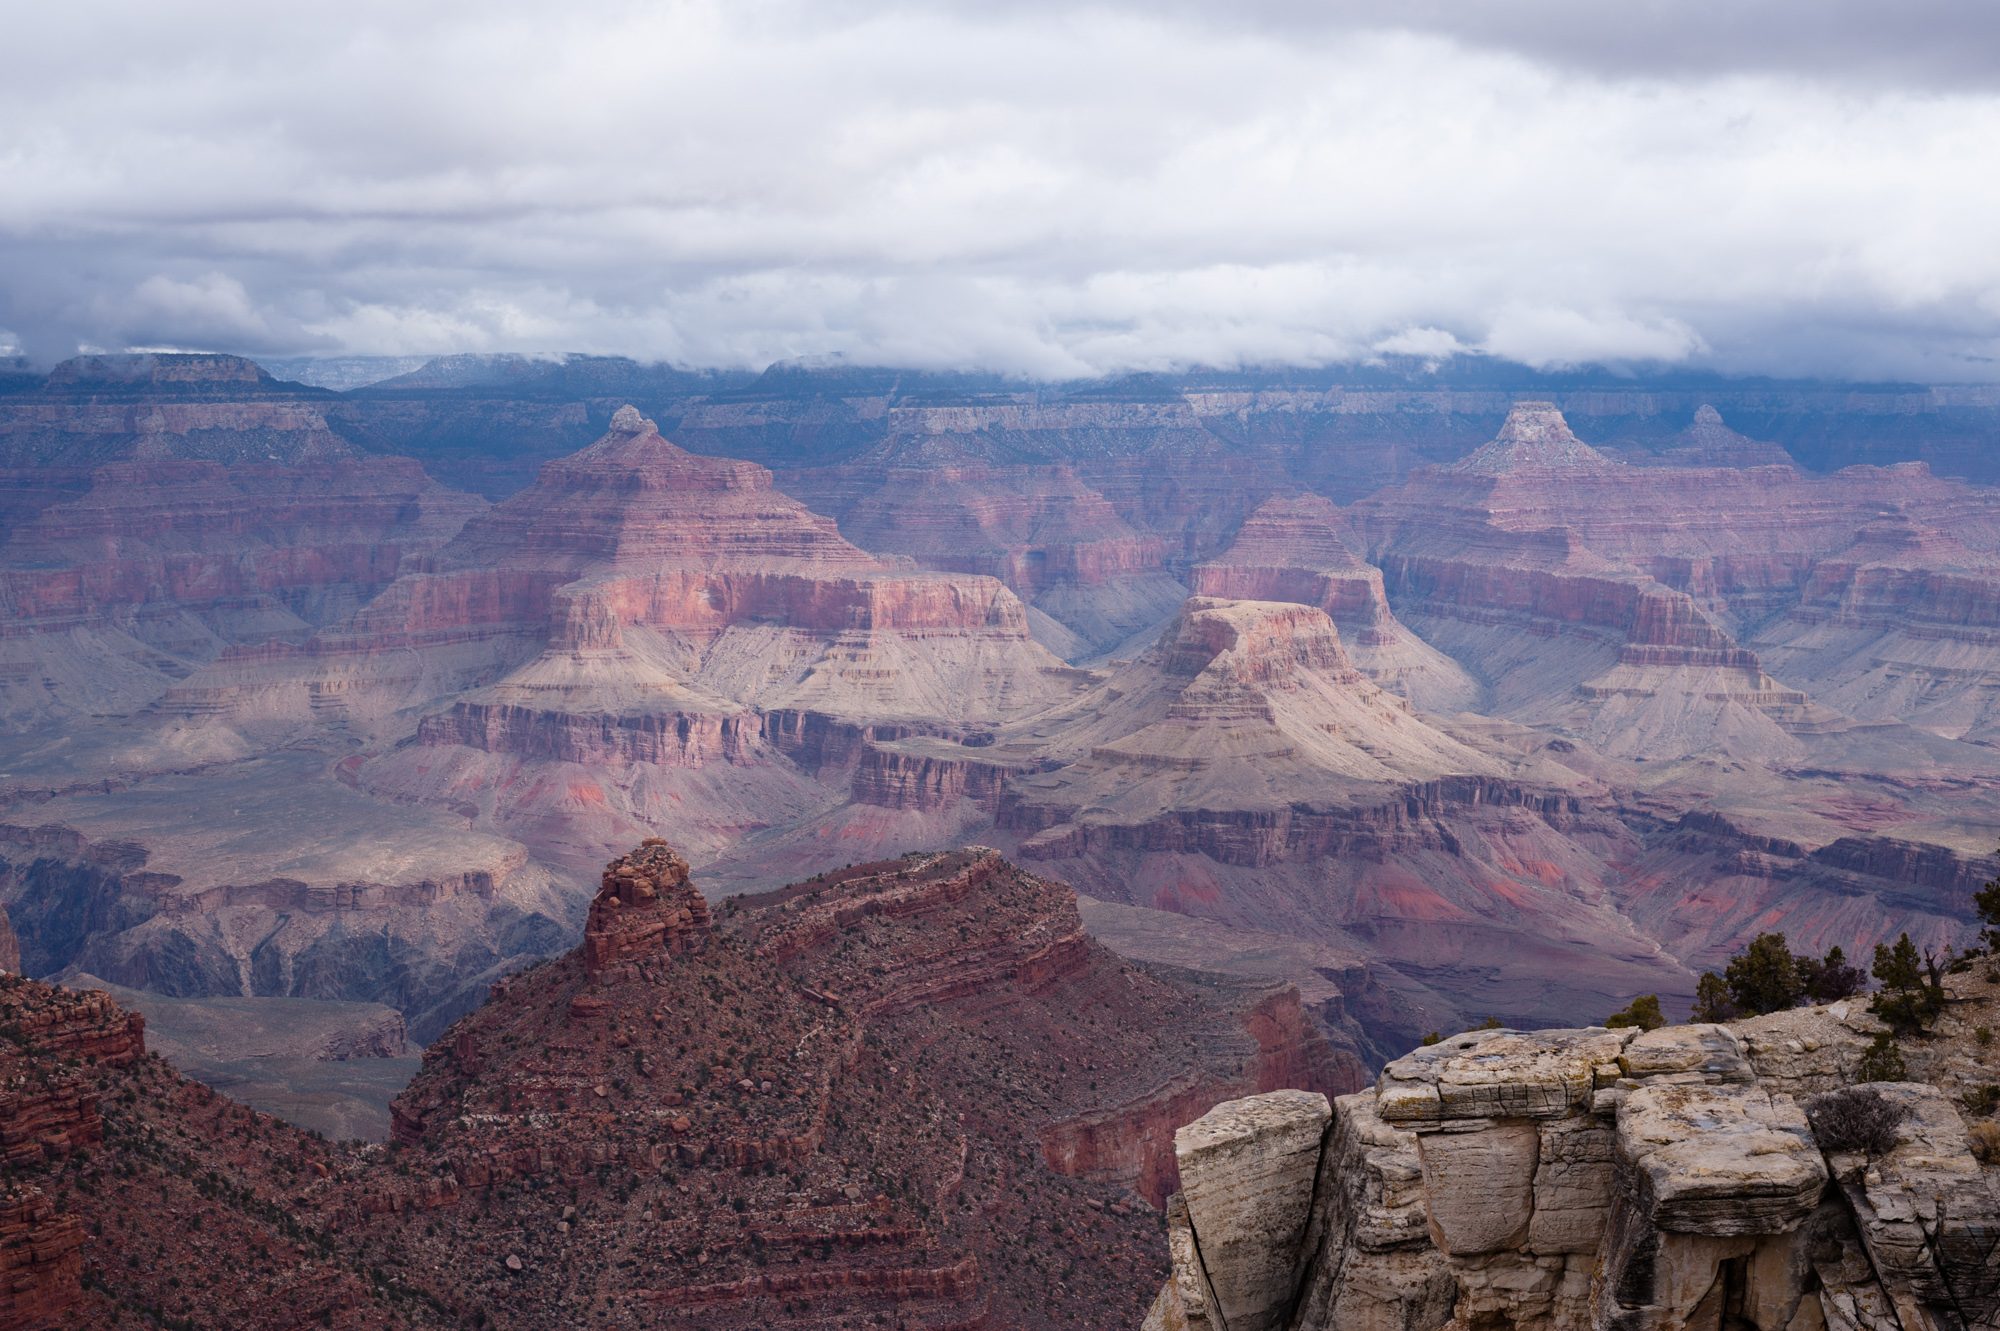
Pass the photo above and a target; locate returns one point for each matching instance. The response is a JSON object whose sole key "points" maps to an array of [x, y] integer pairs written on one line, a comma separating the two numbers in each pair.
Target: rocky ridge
{"points": [[824, 1104], [911, 1093]]}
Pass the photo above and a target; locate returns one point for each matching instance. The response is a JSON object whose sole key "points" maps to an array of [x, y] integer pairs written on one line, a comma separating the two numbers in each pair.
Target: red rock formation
{"points": [[41, 1261], [125, 1186], [646, 907], [841, 1106]]}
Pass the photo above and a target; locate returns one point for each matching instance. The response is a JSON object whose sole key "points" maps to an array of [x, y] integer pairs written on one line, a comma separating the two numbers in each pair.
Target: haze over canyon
{"points": [[1447, 703]]}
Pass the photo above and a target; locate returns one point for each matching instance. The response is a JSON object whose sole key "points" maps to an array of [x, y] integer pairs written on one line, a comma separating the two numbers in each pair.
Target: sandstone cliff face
{"points": [[1584, 1179], [176, 505]]}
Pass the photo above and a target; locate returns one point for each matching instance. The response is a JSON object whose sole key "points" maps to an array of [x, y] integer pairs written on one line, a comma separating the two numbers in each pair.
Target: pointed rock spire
{"points": [[1534, 438]]}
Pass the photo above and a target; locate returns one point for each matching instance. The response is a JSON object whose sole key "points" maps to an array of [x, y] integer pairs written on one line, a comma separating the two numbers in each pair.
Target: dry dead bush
{"points": [[1857, 1118]]}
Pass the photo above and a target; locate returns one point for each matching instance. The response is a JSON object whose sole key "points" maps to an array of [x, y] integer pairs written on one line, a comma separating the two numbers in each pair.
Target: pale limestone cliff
{"points": [[1571, 1179]]}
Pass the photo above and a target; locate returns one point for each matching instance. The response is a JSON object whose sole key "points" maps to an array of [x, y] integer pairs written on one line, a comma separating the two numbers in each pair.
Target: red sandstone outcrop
{"points": [[124, 1186], [41, 1261], [912, 1089], [646, 907]]}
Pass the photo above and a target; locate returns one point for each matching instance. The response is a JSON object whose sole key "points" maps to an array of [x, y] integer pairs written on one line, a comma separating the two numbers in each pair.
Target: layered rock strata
{"points": [[170, 507], [1559, 1180]]}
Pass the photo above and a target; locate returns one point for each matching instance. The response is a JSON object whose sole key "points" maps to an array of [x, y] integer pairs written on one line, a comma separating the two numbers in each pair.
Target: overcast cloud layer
{"points": [[1043, 188]]}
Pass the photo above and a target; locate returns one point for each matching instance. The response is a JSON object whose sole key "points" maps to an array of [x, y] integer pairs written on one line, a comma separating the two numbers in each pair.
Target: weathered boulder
{"points": [[1498, 1074], [1479, 1185], [1719, 1160], [1702, 1052], [1247, 1169], [1804, 1051]]}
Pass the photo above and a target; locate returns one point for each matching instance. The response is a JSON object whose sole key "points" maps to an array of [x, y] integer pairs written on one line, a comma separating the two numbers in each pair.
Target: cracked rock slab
{"points": [[1247, 1169], [1497, 1074], [1718, 1160]]}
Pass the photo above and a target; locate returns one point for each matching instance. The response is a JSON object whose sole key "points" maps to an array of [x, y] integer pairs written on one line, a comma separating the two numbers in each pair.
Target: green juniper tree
{"points": [[1643, 1012], [1764, 977], [1987, 902], [1912, 992]]}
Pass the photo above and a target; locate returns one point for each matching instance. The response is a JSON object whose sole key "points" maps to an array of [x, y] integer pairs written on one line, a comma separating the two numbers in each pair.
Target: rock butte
{"points": [[1570, 1180]]}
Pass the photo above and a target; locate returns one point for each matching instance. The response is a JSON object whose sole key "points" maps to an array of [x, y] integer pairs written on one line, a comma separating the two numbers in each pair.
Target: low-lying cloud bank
{"points": [[1036, 188]]}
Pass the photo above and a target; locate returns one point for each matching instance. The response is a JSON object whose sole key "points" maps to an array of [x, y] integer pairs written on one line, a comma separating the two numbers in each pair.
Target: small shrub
{"points": [[1643, 1012], [1882, 1061], [1980, 1100], [1856, 1118], [1983, 1034], [1985, 1136]]}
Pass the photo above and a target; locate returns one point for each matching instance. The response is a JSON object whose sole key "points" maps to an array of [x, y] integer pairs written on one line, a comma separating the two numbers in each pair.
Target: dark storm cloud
{"points": [[1920, 44], [1045, 189]]}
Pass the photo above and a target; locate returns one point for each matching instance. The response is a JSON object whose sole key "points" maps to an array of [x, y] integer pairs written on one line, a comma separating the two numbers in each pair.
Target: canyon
{"points": [[1437, 699]]}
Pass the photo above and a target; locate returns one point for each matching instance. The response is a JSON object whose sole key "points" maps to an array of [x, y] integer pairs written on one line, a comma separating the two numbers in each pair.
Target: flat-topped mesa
{"points": [[647, 906], [1535, 438], [181, 371], [1253, 642]]}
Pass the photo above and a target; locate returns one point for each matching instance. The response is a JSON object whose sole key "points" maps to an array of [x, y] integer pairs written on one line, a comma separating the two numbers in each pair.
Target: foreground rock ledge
{"points": [[1570, 1179]]}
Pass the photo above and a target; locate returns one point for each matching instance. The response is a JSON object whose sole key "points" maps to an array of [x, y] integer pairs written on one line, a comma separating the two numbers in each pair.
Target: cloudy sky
{"points": [[1050, 189]]}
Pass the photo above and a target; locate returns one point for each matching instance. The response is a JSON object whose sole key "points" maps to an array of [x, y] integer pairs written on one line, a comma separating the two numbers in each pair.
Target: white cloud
{"points": [[1037, 188], [1435, 344], [1546, 336]]}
